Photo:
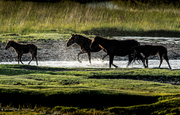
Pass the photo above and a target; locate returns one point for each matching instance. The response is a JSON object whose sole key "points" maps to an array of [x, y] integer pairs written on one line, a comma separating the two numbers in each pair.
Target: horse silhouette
{"points": [[84, 43], [150, 50], [115, 47], [21, 49]]}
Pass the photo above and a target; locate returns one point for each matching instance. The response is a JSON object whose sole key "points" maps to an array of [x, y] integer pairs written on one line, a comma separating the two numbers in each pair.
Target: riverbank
{"points": [[55, 49]]}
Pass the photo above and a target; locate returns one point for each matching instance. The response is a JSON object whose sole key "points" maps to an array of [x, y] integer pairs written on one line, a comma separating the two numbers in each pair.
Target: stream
{"points": [[175, 64]]}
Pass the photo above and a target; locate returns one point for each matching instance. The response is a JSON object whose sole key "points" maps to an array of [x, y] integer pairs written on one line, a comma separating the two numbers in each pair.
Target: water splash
{"points": [[175, 64]]}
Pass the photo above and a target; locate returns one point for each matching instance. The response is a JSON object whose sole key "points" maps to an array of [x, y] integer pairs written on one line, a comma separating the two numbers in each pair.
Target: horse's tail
{"points": [[136, 56], [134, 53]]}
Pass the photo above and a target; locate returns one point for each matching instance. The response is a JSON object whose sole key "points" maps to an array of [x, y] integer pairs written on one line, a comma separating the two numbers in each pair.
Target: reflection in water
{"points": [[175, 64]]}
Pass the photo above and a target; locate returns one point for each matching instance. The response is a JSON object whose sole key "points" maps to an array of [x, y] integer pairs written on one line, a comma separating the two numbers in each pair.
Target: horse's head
{"points": [[71, 40], [9, 44], [94, 42]]}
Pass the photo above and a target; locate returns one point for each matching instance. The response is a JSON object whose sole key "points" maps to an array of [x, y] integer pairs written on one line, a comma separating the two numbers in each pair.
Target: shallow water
{"points": [[97, 63], [175, 64], [163, 40]]}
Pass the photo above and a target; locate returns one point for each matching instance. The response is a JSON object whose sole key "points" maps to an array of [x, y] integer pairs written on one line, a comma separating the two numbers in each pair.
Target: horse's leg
{"points": [[104, 57], [139, 56], [35, 56], [81, 52], [143, 60], [20, 55], [111, 61], [18, 58], [36, 60], [167, 60], [32, 57], [30, 61], [147, 62], [130, 60], [161, 60], [89, 56]]}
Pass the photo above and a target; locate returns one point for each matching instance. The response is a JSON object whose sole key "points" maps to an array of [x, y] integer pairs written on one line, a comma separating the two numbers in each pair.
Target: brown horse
{"points": [[20, 49], [150, 50], [115, 47], [84, 44]]}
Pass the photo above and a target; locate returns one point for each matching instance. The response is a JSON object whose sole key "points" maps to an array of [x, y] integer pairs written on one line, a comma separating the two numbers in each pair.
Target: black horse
{"points": [[115, 47], [84, 44], [150, 50], [22, 49]]}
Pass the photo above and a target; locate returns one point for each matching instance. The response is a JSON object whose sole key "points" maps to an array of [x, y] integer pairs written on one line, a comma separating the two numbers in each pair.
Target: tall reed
{"points": [[64, 17]]}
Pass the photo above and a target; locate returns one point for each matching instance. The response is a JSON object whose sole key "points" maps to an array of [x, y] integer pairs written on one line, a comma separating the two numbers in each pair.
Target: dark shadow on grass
{"points": [[15, 69], [27, 69], [117, 32], [83, 99], [174, 80]]}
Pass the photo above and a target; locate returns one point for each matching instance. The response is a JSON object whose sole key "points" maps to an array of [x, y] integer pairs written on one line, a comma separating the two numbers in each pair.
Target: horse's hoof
{"points": [[80, 61]]}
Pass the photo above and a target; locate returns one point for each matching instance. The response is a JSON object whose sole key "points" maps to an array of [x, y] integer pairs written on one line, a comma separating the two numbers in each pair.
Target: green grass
{"points": [[86, 90], [73, 17], [37, 38], [89, 90]]}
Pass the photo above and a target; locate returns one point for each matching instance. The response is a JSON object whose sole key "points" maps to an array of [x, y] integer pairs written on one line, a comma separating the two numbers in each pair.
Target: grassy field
{"points": [[92, 91], [73, 17], [87, 90], [36, 38]]}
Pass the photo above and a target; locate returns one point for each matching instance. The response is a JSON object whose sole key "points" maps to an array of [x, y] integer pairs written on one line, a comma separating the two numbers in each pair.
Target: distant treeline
{"points": [[153, 2]]}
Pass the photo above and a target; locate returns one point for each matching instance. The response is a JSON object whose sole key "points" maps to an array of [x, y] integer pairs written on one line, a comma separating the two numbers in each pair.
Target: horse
{"points": [[150, 50], [114, 47], [84, 43], [21, 49]]}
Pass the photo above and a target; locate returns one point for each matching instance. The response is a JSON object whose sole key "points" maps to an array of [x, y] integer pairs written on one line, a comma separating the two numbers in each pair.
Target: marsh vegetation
{"points": [[88, 90], [50, 90], [73, 17]]}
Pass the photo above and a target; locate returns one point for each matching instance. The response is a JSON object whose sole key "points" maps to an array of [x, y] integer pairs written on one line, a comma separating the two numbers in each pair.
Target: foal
{"points": [[150, 50], [21, 49]]}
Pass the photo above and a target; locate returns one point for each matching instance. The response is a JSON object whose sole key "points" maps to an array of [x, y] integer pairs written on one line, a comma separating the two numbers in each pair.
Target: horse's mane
{"points": [[81, 36], [14, 41]]}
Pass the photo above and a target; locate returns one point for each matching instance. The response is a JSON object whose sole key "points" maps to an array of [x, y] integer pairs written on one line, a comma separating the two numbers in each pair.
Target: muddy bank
{"points": [[58, 51]]}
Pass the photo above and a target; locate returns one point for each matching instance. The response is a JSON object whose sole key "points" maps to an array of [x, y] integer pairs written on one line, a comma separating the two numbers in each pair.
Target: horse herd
{"points": [[112, 47]]}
